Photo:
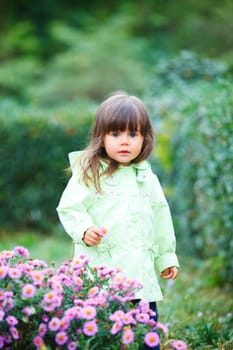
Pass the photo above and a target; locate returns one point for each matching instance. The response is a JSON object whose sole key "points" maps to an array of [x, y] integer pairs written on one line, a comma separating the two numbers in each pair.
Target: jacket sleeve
{"points": [[72, 209], [164, 231]]}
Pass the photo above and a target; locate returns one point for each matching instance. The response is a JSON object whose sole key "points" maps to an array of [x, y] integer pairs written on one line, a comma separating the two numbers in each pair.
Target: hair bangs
{"points": [[125, 117]]}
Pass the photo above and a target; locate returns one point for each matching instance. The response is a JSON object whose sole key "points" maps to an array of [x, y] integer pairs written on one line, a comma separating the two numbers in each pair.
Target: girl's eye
{"points": [[133, 134], [115, 133]]}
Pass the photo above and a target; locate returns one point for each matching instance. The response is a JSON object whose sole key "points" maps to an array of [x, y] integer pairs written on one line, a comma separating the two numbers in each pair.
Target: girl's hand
{"points": [[92, 236], [170, 273]]}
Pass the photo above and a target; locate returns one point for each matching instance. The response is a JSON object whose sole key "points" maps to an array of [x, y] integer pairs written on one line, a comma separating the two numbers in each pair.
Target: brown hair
{"points": [[117, 113]]}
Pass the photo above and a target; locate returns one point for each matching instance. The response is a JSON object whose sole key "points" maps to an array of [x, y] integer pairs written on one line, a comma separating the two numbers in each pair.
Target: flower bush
{"points": [[74, 306]]}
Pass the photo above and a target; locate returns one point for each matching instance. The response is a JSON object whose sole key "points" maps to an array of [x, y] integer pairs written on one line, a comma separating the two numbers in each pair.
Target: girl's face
{"points": [[123, 146]]}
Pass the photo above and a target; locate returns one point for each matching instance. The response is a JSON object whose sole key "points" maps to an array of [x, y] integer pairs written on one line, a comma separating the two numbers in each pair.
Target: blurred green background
{"points": [[58, 60]]}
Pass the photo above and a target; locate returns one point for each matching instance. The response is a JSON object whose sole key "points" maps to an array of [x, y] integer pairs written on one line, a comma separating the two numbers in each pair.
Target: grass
{"points": [[197, 313], [45, 246]]}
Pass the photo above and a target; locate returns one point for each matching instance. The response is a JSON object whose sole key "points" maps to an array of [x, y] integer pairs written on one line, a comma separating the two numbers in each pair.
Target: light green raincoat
{"points": [[134, 211]]}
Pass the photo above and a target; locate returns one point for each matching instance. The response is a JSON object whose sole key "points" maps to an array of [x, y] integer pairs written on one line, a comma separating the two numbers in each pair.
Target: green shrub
{"points": [[203, 153], [189, 65], [16, 74], [33, 158], [195, 122]]}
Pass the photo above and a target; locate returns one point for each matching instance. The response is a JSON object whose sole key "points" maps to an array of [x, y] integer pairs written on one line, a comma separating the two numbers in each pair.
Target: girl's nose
{"points": [[124, 139]]}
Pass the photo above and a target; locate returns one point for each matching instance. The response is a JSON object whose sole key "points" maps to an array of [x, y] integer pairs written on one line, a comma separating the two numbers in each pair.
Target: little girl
{"points": [[113, 186]]}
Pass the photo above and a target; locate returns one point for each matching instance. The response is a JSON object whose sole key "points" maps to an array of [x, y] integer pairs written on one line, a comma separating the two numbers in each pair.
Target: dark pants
{"points": [[153, 307]]}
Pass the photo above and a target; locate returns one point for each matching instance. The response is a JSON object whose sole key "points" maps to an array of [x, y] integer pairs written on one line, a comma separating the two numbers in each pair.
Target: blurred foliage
{"points": [[57, 50], [203, 26], [19, 39], [95, 62], [85, 63], [33, 158], [16, 75], [194, 118]]}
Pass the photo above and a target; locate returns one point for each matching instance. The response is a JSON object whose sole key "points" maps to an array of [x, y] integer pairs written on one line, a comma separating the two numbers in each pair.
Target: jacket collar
{"points": [[141, 168]]}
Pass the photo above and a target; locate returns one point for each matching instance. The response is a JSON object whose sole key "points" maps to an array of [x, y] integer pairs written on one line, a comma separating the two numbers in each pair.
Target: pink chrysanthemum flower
{"points": [[7, 254], [71, 312], [39, 263], [90, 328], [151, 339], [118, 279], [14, 332], [163, 327], [3, 271], [79, 331], [49, 307], [152, 323], [14, 273], [61, 338], [78, 281], [38, 341], [144, 306], [7, 339], [117, 316], [142, 318], [128, 283], [26, 269], [54, 324], [2, 314], [42, 329], [9, 294], [37, 277], [179, 345], [22, 251], [134, 312], [103, 231], [93, 292], [8, 303], [50, 297], [57, 286], [127, 336], [116, 327], [128, 319], [65, 323], [1, 342], [11, 320], [88, 312], [79, 302], [44, 318], [104, 294], [28, 291], [2, 294], [78, 263], [72, 346]]}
